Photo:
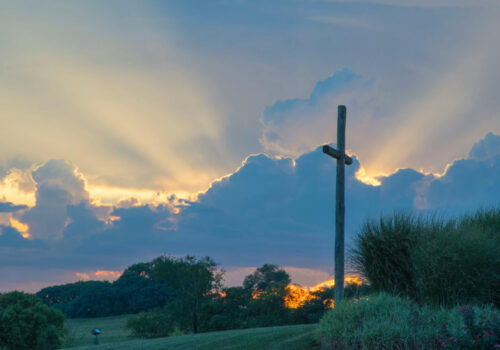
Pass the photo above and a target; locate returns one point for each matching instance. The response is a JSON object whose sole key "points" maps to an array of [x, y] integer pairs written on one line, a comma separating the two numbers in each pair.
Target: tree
{"points": [[193, 282], [227, 310], [267, 290], [133, 292], [267, 276], [27, 324]]}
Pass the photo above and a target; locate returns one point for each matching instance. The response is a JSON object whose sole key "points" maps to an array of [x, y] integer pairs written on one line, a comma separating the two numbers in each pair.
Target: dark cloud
{"points": [[10, 237], [8, 207]]}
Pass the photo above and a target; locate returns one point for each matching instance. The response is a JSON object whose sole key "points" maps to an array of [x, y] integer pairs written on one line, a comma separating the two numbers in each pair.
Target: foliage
{"points": [[154, 324], [383, 253], [314, 309], [193, 282], [227, 310], [458, 266], [59, 297], [133, 292], [442, 262], [268, 308], [265, 277], [382, 321], [480, 330], [27, 324]]}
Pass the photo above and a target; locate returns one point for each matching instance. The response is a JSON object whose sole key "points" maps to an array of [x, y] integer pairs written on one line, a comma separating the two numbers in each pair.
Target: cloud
{"points": [[58, 185], [488, 149], [8, 207], [10, 237], [295, 126], [270, 210]]}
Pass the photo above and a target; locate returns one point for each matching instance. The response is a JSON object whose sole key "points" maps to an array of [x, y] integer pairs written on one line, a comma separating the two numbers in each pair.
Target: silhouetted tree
{"points": [[27, 324], [267, 276], [193, 281]]}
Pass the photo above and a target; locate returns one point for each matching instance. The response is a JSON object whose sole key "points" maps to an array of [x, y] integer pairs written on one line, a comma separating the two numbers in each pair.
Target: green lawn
{"points": [[113, 330], [115, 336]]}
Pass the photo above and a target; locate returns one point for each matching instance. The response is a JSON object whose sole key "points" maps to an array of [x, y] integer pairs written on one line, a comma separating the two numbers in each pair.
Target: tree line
{"points": [[185, 295]]}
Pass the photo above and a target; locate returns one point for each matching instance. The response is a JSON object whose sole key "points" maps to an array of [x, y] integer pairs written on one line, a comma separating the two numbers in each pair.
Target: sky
{"points": [[134, 129]]}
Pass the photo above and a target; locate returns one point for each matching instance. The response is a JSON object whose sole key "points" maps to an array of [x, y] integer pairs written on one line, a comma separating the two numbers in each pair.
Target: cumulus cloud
{"points": [[58, 185], [270, 210], [296, 126]]}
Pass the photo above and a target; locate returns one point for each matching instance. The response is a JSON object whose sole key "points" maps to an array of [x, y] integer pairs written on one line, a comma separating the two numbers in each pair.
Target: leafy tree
{"points": [[193, 281], [27, 324], [267, 288], [227, 310], [268, 308], [267, 276], [315, 308], [133, 292], [59, 297]]}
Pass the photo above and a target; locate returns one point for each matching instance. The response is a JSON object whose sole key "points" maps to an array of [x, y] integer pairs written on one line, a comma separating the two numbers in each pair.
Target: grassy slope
{"points": [[115, 336], [113, 330]]}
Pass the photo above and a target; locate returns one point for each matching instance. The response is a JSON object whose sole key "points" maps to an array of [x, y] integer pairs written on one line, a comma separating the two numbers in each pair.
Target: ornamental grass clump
{"points": [[431, 260]]}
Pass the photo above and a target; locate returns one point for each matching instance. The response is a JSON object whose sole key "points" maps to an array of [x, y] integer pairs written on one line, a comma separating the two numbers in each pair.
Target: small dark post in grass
{"points": [[342, 159], [95, 332]]}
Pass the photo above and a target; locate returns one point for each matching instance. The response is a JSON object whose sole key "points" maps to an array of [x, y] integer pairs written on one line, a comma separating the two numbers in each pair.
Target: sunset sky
{"points": [[130, 129]]}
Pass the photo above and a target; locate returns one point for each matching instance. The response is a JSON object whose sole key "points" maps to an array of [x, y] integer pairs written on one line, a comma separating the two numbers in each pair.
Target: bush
{"points": [[154, 324], [27, 324], [380, 322], [479, 329], [443, 262]]}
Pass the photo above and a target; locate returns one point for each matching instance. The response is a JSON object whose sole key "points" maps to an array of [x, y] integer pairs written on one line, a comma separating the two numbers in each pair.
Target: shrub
{"points": [[443, 262], [480, 329], [380, 322], [27, 324], [154, 324]]}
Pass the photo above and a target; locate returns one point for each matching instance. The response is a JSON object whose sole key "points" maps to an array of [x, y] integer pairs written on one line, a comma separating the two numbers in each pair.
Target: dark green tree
{"points": [[265, 277], [194, 283], [227, 310], [267, 290], [27, 324]]}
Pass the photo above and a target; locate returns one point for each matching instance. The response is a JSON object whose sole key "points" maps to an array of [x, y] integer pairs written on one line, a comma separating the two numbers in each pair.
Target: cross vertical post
{"points": [[342, 159]]}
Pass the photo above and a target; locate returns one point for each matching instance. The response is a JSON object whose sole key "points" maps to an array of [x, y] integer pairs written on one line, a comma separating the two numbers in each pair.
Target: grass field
{"points": [[115, 336], [113, 330]]}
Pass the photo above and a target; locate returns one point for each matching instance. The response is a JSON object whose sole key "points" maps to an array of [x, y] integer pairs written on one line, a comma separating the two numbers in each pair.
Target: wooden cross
{"points": [[342, 159]]}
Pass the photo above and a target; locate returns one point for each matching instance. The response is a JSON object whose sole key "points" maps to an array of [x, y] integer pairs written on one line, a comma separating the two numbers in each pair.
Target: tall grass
{"points": [[433, 260]]}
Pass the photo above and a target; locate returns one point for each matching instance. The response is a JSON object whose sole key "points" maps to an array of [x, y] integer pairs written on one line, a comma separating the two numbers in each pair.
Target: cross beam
{"points": [[335, 153], [342, 160]]}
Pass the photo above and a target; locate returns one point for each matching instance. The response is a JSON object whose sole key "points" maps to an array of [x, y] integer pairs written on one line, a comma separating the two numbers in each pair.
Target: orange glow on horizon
{"points": [[297, 296], [101, 275]]}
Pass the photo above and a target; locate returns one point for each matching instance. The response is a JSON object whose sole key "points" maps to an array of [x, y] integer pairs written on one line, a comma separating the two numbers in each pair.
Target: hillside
{"points": [[115, 336]]}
